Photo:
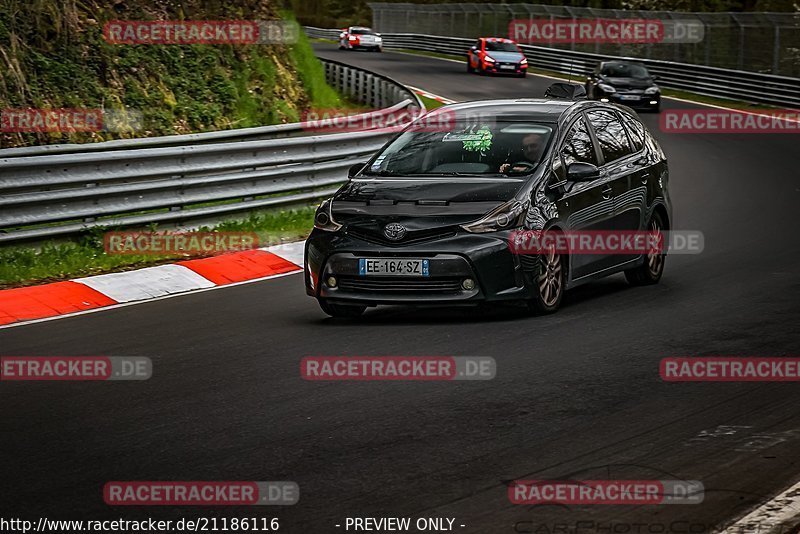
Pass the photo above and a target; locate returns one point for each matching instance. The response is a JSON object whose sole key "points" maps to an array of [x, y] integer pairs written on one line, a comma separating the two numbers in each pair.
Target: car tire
{"points": [[470, 70], [522, 75], [549, 282], [650, 271], [341, 310]]}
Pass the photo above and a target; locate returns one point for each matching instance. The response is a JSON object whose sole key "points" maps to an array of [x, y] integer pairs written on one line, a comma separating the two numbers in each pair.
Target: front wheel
{"points": [[651, 270], [470, 69], [341, 310], [549, 283]]}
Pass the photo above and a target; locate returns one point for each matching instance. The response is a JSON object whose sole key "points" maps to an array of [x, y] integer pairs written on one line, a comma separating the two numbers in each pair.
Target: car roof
{"points": [[497, 40], [622, 61], [531, 109], [540, 109]]}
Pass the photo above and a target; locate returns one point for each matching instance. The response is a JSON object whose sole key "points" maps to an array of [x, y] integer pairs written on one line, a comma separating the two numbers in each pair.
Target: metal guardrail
{"points": [[56, 191], [709, 81], [765, 42]]}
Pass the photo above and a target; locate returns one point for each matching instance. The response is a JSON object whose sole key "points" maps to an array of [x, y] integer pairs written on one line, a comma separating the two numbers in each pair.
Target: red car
{"points": [[495, 55]]}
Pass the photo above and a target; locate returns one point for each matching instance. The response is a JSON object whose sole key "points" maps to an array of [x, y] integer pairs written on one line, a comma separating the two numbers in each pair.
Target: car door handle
{"points": [[606, 193]]}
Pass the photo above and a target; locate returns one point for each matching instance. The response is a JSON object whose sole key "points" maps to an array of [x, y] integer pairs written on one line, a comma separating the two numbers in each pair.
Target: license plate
{"points": [[629, 97], [507, 67], [393, 267]]}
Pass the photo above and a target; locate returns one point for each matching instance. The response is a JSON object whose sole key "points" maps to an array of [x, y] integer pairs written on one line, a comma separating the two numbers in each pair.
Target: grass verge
{"points": [[430, 103], [25, 265]]}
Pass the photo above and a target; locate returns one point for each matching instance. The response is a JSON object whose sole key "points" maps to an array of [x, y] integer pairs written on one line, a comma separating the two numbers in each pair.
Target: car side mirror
{"points": [[355, 169], [473, 48], [582, 172]]}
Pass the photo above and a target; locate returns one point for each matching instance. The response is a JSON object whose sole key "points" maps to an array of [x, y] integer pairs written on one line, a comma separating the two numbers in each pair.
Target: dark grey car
{"points": [[429, 219], [624, 82]]}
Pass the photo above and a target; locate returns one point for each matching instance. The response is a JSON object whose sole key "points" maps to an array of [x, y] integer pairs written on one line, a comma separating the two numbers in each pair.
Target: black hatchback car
{"points": [[624, 82], [428, 220]]}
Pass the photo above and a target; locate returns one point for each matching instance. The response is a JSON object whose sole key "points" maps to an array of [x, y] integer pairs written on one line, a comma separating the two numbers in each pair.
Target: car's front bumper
{"points": [[505, 68], [634, 100], [484, 258]]}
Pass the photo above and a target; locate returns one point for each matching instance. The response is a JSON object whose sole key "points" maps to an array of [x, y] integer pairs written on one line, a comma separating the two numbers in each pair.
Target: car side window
{"points": [[610, 134], [635, 131], [578, 145]]}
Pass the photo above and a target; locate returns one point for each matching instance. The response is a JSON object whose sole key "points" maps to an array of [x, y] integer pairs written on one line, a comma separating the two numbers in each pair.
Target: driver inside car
{"points": [[533, 146]]}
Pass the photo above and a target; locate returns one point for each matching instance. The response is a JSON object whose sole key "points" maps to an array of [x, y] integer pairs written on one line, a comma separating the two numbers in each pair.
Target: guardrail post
{"points": [[369, 95]]}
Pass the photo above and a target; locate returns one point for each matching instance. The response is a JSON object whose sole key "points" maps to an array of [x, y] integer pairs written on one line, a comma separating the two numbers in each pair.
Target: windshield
{"points": [[499, 46], [624, 70], [362, 31], [465, 149]]}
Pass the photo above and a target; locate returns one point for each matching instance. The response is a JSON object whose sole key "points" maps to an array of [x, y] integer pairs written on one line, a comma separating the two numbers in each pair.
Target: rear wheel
{"points": [[469, 66], [653, 267], [341, 310], [549, 283]]}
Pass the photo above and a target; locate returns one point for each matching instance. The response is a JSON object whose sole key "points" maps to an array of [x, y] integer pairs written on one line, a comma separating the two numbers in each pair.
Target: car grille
{"points": [[412, 240], [400, 284]]}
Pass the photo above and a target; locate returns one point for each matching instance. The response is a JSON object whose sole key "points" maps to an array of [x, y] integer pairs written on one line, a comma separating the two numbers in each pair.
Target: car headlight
{"points": [[323, 219], [524, 61], [607, 88], [378, 39], [489, 59], [651, 90], [506, 216]]}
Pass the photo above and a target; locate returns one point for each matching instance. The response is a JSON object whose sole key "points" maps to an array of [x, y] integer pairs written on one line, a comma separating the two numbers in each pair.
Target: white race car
{"points": [[356, 37]]}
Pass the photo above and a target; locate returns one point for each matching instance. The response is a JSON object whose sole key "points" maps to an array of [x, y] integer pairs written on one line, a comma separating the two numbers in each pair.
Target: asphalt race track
{"points": [[577, 394]]}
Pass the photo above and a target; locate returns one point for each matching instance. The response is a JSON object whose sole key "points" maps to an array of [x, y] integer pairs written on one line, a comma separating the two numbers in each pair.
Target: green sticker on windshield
{"points": [[481, 142]]}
